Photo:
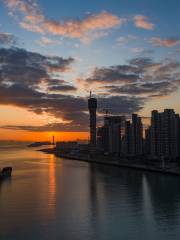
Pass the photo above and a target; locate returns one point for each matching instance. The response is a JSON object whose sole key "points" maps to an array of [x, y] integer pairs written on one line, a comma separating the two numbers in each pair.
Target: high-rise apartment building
{"points": [[127, 139], [92, 106], [165, 134], [136, 135], [110, 135]]}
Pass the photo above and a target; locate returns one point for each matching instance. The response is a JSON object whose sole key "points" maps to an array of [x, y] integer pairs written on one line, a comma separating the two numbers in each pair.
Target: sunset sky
{"points": [[52, 53]]}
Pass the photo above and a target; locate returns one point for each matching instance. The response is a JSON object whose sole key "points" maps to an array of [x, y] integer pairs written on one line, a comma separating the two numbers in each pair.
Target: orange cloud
{"points": [[141, 21], [77, 28], [169, 42], [31, 18]]}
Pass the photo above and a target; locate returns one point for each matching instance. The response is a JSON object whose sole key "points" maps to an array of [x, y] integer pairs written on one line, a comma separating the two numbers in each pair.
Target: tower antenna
{"points": [[90, 94]]}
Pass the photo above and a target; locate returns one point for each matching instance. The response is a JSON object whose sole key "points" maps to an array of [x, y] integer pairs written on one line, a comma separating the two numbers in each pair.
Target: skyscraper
{"points": [[103, 139], [137, 135], [127, 139], [115, 126], [155, 133], [92, 106], [110, 135], [147, 141], [165, 134]]}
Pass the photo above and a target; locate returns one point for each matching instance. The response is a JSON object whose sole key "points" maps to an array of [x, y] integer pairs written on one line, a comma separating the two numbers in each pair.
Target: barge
{"points": [[5, 173]]}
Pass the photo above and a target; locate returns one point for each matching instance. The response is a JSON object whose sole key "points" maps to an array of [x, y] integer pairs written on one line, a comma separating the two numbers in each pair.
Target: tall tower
{"points": [[92, 106]]}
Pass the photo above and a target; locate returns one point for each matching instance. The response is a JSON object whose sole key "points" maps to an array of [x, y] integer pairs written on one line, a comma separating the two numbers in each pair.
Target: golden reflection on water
{"points": [[52, 185]]}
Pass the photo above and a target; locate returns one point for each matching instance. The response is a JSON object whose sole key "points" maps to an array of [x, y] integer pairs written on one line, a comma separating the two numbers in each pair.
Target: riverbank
{"points": [[138, 165]]}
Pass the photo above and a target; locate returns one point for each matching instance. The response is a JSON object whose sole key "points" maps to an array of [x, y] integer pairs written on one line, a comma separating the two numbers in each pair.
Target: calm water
{"points": [[51, 198]]}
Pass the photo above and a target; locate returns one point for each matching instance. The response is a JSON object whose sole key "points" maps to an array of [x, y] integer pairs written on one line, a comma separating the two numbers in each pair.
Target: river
{"points": [[53, 198]]}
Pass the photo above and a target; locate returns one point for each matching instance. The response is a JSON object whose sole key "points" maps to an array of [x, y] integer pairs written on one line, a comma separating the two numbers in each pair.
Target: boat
{"points": [[5, 172]]}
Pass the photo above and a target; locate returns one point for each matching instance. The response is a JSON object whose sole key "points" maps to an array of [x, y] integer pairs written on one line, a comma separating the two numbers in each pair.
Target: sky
{"points": [[52, 53]]}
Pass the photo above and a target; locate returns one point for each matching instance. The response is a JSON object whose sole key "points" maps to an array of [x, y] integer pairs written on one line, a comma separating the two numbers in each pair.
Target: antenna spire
{"points": [[90, 94]]}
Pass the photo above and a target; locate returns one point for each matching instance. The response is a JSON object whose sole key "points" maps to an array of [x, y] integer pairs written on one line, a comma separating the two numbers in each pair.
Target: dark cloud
{"points": [[142, 75], [121, 104], [48, 127], [7, 39], [141, 62], [62, 88], [61, 106], [72, 109], [21, 66], [56, 85], [21, 76], [54, 81], [116, 74], [160, 88]]}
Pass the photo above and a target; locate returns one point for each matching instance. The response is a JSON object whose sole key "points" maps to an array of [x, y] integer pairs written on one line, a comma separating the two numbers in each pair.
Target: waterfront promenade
{"points": [[145, 165]]}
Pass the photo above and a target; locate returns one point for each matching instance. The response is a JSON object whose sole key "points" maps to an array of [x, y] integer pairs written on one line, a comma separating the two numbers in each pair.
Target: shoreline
{"points": [[122, 163]]}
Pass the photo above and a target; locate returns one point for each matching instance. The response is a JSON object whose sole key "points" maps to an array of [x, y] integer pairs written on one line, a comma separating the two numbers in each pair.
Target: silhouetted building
{"points": [[137, 135], [103, 139], [147, 142], [92, 106], [165, 134], [120, 137], [110, 135], [155, 133], [127, 139], [115, 125], [178, 134]]}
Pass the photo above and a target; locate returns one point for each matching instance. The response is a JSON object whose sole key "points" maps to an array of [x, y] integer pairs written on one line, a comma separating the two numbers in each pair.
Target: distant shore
{"points": [[117, 163]]}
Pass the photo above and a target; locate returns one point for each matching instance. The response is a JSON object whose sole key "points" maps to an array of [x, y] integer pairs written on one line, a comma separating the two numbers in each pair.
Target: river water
{"points": [[53, 198]]}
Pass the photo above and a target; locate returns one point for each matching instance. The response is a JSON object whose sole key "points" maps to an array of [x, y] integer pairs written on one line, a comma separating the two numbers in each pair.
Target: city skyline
{"points": [[129, 138], [51, 56]]}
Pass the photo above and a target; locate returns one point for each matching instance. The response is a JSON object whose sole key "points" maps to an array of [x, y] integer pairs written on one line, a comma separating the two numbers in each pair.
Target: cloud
{"points": [[163, 88], [73, 109], [54, 127], [137, 50], [63, 106], [141, 51], [115, 74], [169, 42], [141, 76], [62, 88], [21, 66], [29, 80], [142, 21], [124, 40], [44, 41], [31, 18], [7, 39], [121, 104]]}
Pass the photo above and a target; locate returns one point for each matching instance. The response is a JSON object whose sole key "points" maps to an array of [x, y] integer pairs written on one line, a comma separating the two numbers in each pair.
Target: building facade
{"points": [[165, 130], [110, 135], [136, 135], [92, 106]]}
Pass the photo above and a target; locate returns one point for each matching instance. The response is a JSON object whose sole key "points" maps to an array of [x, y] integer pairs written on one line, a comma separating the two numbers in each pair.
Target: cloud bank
{"points": [[27, 80], [141, 76], [30, 17]]}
